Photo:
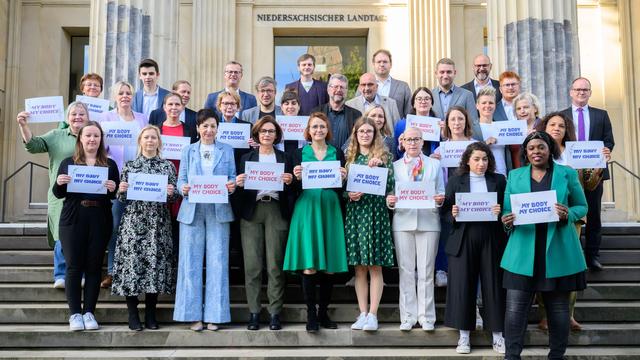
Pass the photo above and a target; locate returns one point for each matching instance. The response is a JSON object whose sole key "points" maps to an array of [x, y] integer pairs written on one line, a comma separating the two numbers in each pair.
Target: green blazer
{"points": [[564, 253]]}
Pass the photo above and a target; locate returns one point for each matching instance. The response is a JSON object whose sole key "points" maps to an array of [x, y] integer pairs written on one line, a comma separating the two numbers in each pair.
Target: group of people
{"points": [[182, 247]]}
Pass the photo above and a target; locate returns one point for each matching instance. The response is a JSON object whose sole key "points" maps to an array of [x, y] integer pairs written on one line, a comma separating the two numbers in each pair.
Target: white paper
{"points": [[476, 206], [292, 126], [430, 126], [451, 152], [45, 109], [88, 179], [321, 175], [368, 180], [584, 154], [96, 106], [147, 187], [505, 132], [415, 195], [234, 134], [172, 146], [208, 189], [534, 208], [263, 176], [120, 132]]}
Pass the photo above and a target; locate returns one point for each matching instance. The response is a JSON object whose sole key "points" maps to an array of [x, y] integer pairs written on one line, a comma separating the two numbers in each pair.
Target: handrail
{"points": [[4, 184], [613, 189]]}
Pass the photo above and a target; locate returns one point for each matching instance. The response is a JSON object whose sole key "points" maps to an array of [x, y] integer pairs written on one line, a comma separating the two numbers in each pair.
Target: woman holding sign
{"points": [[204, 230], [85, 223], [59, 145], [265, 220], [144, 259], [474, 247], [367, 225], [416, 232], [545, 257], [316, 244]]}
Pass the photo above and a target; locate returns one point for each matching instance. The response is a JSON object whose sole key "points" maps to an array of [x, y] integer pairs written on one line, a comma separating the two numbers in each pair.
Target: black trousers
{"points": [[83, 243], [517, 316], [593, 233]]}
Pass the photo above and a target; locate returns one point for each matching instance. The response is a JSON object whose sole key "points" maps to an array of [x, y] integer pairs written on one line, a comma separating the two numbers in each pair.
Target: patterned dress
{"points": [[144, 259], [368, 227]]}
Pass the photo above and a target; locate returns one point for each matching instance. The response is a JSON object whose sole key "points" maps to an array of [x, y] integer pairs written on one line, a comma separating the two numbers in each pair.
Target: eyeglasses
{"points": [[228, 104], [266, 91], [510, 85], [365, 132], [581, 90], [337, 87], [232, 72], [423, 99], [414, 140], [267, 131], [368, 84], [481, 65]]}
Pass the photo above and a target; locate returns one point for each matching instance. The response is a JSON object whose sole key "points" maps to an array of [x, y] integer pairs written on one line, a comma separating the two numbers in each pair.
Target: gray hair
{"points": [[73, 105], [529, 97], [341, 78], [487, 91], [264, 81]]}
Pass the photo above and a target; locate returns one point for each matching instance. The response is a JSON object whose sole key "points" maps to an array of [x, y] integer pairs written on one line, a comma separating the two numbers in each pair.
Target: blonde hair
{"points": [[115, 89], [157, 130], [386, 128], [377, 150]]}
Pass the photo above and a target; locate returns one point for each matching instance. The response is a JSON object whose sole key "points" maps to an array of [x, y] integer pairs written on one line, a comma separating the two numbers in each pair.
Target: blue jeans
{"points": [[117, 209], [59, 266]]}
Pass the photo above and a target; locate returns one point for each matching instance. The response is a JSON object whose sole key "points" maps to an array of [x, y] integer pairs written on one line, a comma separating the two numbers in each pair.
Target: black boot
{"points": [[274, 324], [150, 302], [254, 322], [134, 317], [309, 290], [326, 287]]}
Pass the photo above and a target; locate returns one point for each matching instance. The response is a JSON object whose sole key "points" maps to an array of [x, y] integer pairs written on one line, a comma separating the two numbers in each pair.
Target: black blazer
{"points": [[495, 83], [158, 116], [599, 129], [244, 201], [460, 183]]}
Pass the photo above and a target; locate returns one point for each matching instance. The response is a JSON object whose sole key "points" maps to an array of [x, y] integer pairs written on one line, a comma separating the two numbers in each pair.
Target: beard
{"points": [[482, 76]]}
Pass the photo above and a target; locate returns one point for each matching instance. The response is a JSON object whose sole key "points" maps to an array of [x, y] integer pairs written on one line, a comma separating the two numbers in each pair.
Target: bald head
{"points": [[368, 86], [481, 68]]}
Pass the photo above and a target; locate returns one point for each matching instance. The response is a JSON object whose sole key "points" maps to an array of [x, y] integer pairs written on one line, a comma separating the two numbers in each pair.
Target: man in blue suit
{"points": [[151, 96], [311, 93], [232, 77]]}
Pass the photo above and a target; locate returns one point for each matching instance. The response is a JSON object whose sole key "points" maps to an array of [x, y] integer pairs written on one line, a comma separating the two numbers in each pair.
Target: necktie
{"points": [[581, 136]]}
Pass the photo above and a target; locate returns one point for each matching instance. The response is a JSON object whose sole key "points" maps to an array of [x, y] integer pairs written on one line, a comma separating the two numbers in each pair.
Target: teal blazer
{"points": [[564, 253]]}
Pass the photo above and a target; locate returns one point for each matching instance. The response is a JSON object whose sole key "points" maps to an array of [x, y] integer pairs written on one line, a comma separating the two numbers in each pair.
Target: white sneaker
{"points": [[427, 326], [82, 283], [58, 284], [464, 346], [498, 346], [351, 282], [441, 278], [360, 321], [479, 322], [406, 326], [90, 322], [76, 323], [372, 323]]}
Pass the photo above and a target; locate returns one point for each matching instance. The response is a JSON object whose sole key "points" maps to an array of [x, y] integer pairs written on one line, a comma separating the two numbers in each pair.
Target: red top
{"points": [[174, 207]]}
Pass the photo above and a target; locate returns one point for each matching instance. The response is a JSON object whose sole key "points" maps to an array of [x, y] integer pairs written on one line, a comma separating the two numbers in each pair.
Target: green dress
{"points": [[368, 227], [316, 235]]}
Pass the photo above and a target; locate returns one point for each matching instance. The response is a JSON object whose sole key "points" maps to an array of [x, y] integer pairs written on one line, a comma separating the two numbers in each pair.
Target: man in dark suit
{"points": [[151, 96], [481, 70], [232, 77], [510, 88], [311, 93], [341, 117], [188, 116], [591, 124], [398, 90]]}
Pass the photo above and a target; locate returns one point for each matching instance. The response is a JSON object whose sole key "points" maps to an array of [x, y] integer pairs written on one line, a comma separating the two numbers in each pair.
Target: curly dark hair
{"points": [[554, 150], [466, 155]]}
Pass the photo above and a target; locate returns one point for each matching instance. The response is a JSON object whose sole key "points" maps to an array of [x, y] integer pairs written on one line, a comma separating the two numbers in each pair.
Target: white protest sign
{"points": [[87, 179], [147, 187], [476, 206], [415, 195], [505, 132], [451, 152], [534, 208], [263, 176], [209, 189], [368, 180], [292, 126], [45, 109], [234, 134], [120, 132], [172, 146], [96, 106], [430, 126], [584, 154], [321, 175]]}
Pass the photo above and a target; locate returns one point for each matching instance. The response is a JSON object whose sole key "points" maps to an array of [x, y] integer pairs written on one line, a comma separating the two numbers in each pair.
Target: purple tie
{"points": [[581, 136]]}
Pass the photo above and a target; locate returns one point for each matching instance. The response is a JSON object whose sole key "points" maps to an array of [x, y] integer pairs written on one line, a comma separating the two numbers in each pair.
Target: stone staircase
{"points": [[33, 317]]}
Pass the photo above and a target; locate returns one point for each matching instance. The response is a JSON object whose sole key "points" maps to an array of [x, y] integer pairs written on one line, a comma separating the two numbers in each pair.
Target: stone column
{"points": [[429, 28], [123, 32], [538, 39]]}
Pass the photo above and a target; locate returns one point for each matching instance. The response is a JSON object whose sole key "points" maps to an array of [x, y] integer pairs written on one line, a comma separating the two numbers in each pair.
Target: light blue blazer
{"points": [[223, 164]]}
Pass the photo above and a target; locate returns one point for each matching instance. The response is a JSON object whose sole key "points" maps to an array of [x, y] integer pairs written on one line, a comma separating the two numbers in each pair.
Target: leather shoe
{"points": [[106, 282], [274, 324], [254, 322], [595, 265], [543, 325]]}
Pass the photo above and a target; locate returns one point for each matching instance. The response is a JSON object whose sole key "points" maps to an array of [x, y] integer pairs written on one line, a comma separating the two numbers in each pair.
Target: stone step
{"points": [[116, 313], [292, 336], [320, 353]]}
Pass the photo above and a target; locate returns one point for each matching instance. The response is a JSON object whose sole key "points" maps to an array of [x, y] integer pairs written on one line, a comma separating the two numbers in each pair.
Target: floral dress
{"points": [[144, 260], [368, 226]]}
